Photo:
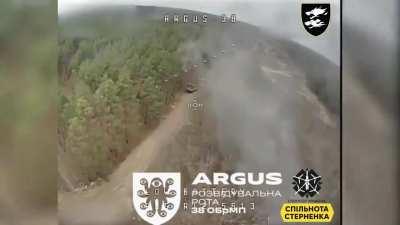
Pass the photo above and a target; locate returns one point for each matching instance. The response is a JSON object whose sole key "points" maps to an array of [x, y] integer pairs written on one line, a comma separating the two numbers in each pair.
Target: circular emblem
{"points": [[307, 183]]}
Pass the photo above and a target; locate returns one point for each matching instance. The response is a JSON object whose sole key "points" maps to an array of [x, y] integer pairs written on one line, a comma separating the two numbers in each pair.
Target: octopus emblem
{"points": [[156, 195]]}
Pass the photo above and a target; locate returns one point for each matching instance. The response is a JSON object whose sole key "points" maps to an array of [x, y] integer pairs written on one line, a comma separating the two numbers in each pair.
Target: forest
{"points": [[114, 89]]}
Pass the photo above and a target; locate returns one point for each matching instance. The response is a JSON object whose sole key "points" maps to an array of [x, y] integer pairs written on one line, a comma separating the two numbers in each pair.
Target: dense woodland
{"points": [[113, 89]]}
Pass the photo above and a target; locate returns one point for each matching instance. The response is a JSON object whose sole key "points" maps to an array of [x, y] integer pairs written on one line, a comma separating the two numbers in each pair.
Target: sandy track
{"points": [[110, 203]]}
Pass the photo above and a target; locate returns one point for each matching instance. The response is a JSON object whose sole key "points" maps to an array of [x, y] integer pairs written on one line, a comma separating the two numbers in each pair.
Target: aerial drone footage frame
{"points": [[200, 114]]}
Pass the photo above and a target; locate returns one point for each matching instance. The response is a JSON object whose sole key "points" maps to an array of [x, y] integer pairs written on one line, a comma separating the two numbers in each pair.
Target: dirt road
{"points": [[111, 202]]}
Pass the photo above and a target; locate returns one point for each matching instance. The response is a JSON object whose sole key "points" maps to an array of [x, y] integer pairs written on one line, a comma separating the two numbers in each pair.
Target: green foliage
{"points": [[151, 100], [109, 82]]}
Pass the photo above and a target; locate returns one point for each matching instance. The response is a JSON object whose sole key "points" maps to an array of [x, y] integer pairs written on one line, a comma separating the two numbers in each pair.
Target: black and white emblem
{"points": [[315, 17], [156, 196], [307, 183]]}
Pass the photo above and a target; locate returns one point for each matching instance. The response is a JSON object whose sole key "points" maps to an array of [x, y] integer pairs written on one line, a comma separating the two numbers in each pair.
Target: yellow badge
{"points": [[307, 212]]}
